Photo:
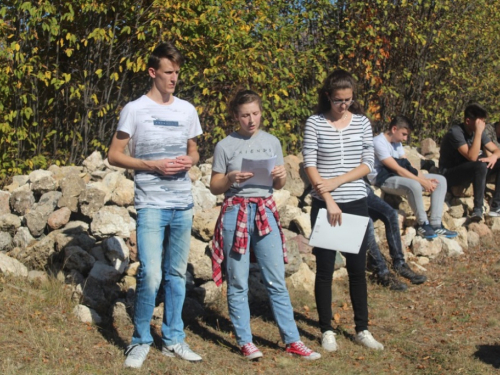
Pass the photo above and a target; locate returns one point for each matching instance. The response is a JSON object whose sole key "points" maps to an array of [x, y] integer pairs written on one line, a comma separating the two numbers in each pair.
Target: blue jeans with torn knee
{"points": [[163, 241]]}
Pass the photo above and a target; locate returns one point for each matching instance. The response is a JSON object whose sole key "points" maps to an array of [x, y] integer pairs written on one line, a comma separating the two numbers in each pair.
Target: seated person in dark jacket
{"points": [[379, 209], [462, 160]]}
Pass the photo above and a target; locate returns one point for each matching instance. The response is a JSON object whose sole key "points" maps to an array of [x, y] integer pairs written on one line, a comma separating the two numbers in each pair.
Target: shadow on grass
{"points": [[215, 327], [489, 354]]}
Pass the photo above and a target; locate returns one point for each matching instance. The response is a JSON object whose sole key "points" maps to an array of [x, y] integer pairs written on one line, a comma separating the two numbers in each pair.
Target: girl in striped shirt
{"points": [[338, 153]]}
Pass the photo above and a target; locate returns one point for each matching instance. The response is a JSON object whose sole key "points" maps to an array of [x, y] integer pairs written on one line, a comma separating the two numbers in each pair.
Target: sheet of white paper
{"points": [[261, 170], [346, 238]]}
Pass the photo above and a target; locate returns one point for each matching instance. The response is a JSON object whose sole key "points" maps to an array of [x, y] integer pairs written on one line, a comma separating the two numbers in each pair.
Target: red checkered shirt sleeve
{"points": [[240, 243]]}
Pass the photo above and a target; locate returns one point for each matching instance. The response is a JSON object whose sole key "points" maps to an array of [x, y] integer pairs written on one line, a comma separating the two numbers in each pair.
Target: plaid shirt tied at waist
{"points": [[240, 244]]}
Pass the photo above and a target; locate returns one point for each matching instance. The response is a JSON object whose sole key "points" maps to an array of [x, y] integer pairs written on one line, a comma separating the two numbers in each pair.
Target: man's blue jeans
{"points": [[379, 209], [269, 254], [163, 241]]}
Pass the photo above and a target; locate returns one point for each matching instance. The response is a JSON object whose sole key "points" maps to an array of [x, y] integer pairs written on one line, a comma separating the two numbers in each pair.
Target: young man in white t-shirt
{"points": [[394, 174], [160, 131]]}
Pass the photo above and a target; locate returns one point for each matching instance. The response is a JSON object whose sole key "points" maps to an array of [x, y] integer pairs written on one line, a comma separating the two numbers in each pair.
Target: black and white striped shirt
{"points": [[335, 152]]}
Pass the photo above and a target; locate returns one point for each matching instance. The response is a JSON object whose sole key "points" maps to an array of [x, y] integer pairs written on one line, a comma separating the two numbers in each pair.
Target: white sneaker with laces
{"points": [[328, 341], [181, 350], [136, 354], [365, 338]]}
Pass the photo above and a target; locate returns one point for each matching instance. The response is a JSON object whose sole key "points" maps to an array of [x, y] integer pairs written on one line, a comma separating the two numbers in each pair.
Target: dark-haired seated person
{"points": [[462, 160], [379, 209]]}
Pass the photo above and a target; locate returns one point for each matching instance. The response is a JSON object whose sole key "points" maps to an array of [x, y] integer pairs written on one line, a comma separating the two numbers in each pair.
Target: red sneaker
{"points": [[298, 348], [250, 351]]}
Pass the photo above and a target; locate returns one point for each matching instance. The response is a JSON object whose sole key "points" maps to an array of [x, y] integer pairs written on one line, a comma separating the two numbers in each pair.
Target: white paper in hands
{"points": [[261, 170]]}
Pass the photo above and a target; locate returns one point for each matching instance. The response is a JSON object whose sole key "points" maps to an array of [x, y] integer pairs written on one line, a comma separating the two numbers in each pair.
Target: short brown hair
{"points": [[165, 50]]}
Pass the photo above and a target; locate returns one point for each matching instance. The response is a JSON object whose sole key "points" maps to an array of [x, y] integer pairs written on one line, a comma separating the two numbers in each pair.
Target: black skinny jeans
{"points": [[355, 264], [475, 172]]}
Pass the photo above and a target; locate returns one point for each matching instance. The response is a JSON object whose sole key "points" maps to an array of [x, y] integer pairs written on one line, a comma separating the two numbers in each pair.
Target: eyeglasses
{"points": [[347, 102]]}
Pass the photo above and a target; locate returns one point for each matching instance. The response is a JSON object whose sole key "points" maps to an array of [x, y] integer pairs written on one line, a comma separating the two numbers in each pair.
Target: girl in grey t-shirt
{"points": [[249, 218]]}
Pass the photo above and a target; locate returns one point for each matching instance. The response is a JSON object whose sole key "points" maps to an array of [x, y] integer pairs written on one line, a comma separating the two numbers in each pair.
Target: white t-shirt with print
{"points": [[157, 132]]}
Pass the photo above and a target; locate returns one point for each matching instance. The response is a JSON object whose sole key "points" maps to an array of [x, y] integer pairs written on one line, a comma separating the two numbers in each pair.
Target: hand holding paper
{"points": [[261, 170]]}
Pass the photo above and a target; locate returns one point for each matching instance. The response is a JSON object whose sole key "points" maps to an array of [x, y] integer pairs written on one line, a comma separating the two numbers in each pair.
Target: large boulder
{"points": [[302, 280], [91, 200], [203, 199], [39, 254], [36, 218], [112, 221], [294, 258], [59, 218], [12, 266], [123, 194], [94, 162], [4, 203], [429, 148], [426, 248], [296, 179], [10, 223], [21, 200], [204, 223], [199, 262], [42, 181], [6, 242]]}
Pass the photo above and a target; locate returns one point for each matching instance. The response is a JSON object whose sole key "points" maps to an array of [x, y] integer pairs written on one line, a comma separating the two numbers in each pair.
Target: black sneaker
{"points": [[442, 231], [476, 215], [405, 271], [425, 230], [390, 281]]}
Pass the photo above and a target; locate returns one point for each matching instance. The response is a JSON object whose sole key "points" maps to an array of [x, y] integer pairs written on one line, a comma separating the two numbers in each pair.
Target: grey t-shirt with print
{"points": [[229, 154]]}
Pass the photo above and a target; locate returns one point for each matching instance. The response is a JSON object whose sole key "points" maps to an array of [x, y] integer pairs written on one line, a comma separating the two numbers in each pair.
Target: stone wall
{"points": [[78, 224]]}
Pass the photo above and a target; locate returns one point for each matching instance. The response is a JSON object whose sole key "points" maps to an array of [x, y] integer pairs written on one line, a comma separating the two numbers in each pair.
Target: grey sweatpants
{"points": [[413, 191]]}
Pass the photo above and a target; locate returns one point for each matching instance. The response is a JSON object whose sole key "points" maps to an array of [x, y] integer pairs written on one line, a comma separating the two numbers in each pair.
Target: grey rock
{"points": [[91, 201], [120, 315], [10, 223], [94, 162], [38, 255], [112, 221], [199, 262], [86, 314], [123, 194], [23, 237], [296, 179], [12, 266], [21, 200], [4, 203], [294, 258], [6, 242], [204, 223], [72, 186]]}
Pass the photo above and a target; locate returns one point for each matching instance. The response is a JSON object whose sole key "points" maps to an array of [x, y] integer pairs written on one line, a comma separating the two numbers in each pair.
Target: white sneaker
{"points": [[365, 338], [181, 350], [328, 341], [136, 354]]}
